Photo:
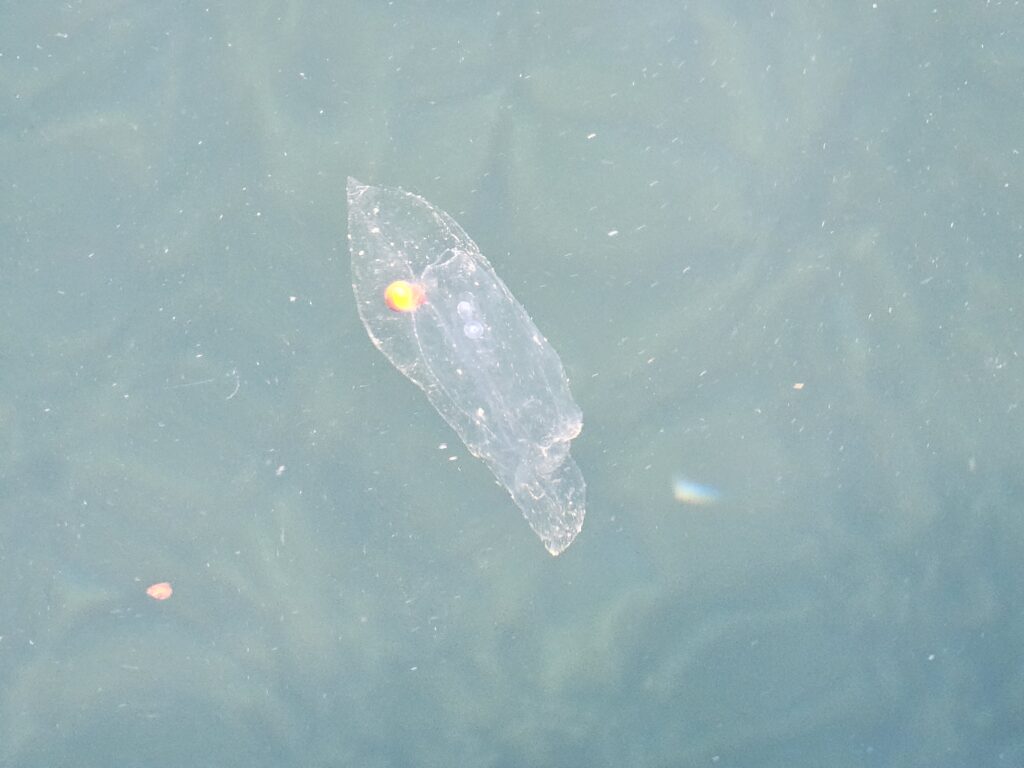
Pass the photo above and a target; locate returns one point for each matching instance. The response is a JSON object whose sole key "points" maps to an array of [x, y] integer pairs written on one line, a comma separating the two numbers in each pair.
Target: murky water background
{"points": [[701, 205]]}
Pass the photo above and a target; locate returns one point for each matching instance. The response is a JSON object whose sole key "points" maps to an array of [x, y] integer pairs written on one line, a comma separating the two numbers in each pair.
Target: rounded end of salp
{"points": [[560, 524], [559, 542]]}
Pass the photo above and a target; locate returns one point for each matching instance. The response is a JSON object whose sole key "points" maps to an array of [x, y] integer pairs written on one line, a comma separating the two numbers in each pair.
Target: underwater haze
{"points": [[778, 251]]}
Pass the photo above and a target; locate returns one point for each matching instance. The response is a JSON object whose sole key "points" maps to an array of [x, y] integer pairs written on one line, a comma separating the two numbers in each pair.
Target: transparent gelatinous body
{"points": [[471, 347]]}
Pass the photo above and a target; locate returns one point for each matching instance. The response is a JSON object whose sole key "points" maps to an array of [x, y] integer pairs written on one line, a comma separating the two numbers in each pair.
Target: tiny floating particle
{"points": [[160, 591], [689, 492]]}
